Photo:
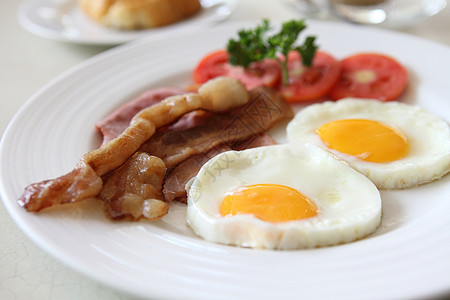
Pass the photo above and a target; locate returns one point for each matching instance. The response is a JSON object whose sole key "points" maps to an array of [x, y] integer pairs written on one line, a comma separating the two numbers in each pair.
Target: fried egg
{"points": [[394, 144], [288, 196]]}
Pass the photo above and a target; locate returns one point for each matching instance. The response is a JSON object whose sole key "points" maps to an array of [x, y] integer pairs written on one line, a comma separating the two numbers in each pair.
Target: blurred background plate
{"points": [[63, 20]]}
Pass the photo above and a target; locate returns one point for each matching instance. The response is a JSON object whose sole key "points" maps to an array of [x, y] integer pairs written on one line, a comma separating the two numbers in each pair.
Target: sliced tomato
{"points": [[211, 66], [312, 83], [370, 75], [215, 64]]}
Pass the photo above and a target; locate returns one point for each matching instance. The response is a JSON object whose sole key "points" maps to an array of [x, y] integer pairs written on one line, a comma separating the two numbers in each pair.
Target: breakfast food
{"points": [[203, 131], [275, 197], [178, 177], [210, 148], [394, 144], [85, 180], [139, 14], [214, 64], [305, 84], [225, 116], [370, 75], [362, 75], [311, 83], [116, 122], [302, 73], [199, 135], [133, 190]]}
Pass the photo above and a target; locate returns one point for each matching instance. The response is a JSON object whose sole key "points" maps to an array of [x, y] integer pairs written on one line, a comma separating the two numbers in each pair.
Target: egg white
{"points": [[428, 136], [349, 204]]}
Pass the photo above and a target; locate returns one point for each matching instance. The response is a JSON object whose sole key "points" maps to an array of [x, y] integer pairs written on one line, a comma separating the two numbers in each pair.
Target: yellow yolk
{"points": [[269, 202], [366, 139]]}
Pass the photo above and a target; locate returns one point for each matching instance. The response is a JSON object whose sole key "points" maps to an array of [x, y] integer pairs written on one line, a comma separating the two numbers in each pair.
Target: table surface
{"points": [[27, 63]]}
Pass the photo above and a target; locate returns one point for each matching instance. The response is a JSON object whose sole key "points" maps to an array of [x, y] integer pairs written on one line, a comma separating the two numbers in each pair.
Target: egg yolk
{"points": [[269, 202], [366, 139]]}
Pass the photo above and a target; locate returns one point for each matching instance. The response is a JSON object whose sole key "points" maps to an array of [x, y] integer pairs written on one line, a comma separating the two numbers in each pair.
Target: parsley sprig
{"points": [[255, 45]]}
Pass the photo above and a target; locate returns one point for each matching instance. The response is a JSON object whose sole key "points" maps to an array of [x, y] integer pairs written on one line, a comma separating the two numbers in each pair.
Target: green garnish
{"points": [[255, 45]]}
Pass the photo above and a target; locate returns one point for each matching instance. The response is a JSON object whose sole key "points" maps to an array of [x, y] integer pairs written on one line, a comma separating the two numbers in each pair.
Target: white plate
{"points": [[407, 257], [63, 20]]}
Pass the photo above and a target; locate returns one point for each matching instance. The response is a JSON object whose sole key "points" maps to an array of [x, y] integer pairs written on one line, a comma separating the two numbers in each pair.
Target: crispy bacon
{"points": [[200, 135], [133, 190], [117, 121], [81, 183], [175, 143], [175, 136], [218, 95]]}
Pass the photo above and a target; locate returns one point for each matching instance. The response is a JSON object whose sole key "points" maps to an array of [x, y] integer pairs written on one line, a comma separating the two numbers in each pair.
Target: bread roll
{"points": [[139, 14]]}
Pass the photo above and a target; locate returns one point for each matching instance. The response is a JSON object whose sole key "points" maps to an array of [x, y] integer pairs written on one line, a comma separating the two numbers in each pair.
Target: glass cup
{"points": [[388, 13]]}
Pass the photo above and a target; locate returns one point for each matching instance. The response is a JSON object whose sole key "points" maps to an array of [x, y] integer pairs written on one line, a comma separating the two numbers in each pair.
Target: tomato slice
{"points": [[215, 64], [211, 66], [312, 83], [370, 75]]}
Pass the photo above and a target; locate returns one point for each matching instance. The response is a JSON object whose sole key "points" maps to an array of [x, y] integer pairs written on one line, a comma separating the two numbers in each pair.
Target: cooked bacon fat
{"points": [[133, 190]]}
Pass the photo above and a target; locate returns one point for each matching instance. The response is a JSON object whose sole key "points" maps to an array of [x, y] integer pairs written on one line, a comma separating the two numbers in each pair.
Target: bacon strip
{"points": [[218, 95], [81, 183], [117, 121], [200, 135], [176, 143]]}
